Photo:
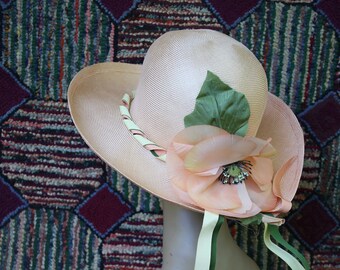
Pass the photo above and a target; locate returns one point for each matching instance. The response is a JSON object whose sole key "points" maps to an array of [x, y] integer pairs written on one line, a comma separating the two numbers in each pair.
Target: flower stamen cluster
{"points": [[235, 173]]}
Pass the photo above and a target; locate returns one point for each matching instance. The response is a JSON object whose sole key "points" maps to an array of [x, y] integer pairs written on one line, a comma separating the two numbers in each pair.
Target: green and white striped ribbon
{"points": [[158, 151], [291, 259], [206, 246]]}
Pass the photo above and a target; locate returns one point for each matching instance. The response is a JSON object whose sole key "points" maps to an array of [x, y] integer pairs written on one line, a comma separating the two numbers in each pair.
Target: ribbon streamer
{"points": [[274, 231], [206, 246], [270, 230]]}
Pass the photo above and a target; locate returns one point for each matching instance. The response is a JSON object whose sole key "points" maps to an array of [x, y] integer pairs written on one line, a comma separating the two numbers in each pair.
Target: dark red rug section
{"points": [[61, 207], [12, 93], [104, 210]]}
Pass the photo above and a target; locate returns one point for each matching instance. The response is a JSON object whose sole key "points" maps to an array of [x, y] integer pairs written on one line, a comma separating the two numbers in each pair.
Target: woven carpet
{"points": [[61, 207]]}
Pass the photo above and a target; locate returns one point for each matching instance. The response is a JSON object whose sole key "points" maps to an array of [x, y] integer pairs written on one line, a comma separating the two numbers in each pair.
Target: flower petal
{"points": [[181, 149], [175, 169], [282, 206], [262, 172], [208, 192], [286, 180], [263, 147], [195, 134], [254, 210], [272, 220], [218, 151], [183, 196], [264, 199], [247, 204], [214, 171]]}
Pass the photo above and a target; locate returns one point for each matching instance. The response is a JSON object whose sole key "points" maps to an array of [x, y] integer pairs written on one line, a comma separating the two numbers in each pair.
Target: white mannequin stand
{"points": [[180, 235]]}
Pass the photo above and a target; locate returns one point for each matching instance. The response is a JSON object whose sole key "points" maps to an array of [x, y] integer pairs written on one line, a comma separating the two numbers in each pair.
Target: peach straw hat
{"points": [[196, 125]]}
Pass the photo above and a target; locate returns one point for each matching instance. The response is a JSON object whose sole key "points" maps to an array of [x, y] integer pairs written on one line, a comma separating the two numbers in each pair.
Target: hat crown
{"points": [[174, 70]]}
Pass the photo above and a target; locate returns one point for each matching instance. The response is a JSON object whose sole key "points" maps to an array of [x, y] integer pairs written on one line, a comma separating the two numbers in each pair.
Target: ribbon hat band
{"points": [[158, 151]]}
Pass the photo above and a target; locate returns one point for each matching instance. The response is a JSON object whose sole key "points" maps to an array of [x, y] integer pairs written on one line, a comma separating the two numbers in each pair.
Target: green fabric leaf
{"points": [[212, 85], [219, 105], [250, 220]]}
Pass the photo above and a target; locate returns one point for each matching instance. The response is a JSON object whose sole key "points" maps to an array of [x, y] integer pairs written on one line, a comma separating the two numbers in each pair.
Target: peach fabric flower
{"points": [[197, 157]]}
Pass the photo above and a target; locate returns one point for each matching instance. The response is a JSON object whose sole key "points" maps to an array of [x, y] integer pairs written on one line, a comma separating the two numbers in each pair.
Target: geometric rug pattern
{"points": [[61, 207]]}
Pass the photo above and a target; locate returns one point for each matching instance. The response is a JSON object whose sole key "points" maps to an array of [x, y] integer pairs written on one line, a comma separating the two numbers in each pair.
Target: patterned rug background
{"points": [[61, 207]]}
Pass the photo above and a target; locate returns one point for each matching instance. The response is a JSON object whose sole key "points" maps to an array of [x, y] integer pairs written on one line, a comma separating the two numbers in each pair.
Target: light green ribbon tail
{"points": [[206, 246], [294, 264]]}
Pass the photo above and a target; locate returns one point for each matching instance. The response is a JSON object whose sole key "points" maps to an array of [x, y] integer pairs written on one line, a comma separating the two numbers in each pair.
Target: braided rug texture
{"points": [[61, 207]]}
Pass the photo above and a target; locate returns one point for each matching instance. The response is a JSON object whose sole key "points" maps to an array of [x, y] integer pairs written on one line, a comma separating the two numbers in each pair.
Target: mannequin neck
{"points": [[181, 229]]}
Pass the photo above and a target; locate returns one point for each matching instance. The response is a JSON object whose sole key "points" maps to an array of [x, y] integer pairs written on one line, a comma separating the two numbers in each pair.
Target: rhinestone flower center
{"points": [[235, 173]]}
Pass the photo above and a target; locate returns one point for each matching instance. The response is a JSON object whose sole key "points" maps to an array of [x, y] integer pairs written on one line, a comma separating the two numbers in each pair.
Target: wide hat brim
{"points": [[94, 97]]}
